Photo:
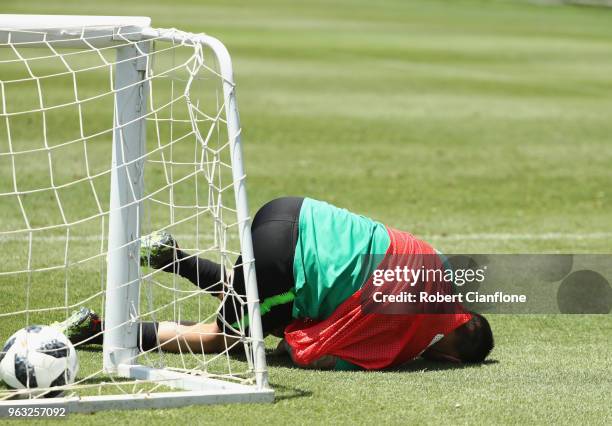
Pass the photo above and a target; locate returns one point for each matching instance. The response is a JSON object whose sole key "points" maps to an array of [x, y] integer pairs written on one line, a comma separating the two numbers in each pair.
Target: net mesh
{"points": [[56, 133]]}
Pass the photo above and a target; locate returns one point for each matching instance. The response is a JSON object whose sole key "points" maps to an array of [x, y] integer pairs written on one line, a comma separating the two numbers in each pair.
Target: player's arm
{"points": [[326, 362], [197, 337]]}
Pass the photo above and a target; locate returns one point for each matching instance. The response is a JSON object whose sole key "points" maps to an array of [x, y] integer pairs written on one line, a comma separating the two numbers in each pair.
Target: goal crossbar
{"points": [[66, 22], [101, 31]]}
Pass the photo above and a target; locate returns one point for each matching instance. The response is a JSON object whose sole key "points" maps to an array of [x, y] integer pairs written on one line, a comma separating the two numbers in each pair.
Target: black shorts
{"points": [[275, 233]]}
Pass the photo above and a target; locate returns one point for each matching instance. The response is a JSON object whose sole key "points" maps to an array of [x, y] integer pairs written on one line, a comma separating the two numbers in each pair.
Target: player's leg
{"points": [[274, 231], [84, 326], [161, 251], [196, 337]]}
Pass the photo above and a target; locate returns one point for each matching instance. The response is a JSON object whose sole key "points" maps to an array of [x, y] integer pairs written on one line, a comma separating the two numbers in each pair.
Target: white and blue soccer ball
{"points": [[38, 357]]}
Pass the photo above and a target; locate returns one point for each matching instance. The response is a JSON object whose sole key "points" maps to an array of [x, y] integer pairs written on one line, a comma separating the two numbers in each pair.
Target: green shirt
{"points": [[331, 259]]}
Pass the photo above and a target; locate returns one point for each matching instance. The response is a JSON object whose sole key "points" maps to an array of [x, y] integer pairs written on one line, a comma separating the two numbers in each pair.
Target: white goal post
{"points": [[127, 129]]}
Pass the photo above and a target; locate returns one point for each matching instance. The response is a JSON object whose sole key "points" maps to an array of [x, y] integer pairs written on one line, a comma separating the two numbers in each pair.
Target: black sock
{"points": [[202, 272], [99, 336], [147, 335]]}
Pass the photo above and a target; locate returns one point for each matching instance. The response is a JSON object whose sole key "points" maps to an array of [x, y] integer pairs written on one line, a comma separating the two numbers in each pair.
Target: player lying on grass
{"points": [[310, 268]]}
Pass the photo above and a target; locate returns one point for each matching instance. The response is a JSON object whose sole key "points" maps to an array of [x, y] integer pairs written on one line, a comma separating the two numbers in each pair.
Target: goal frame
{"points": [[122, 301]]}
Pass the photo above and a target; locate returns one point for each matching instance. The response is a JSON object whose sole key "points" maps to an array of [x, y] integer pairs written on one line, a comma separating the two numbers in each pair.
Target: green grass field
{"points": [[481, 126]]}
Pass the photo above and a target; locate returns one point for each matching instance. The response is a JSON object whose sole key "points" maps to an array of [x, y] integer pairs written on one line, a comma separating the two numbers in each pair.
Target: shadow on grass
{"points": [[283, 393], [419, 364], [284, 360], [105, 379], [89, 348]]}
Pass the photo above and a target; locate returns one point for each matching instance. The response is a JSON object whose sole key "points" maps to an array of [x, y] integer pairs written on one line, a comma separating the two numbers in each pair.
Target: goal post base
{"points": [[195, 390]]}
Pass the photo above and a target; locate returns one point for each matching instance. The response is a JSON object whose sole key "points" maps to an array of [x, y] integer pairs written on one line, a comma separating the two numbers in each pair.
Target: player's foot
{"points": [[82, 325], [157, 250]]}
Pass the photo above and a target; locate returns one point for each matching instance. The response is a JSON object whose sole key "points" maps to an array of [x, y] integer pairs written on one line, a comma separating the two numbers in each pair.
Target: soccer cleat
{"points": [[82, 325], [157, 250]]}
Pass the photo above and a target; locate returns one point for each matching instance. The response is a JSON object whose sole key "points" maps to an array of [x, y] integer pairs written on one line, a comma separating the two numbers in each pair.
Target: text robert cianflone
{"points": [[469, 297]]}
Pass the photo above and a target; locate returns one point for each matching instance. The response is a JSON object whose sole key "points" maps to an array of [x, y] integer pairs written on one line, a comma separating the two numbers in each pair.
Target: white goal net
{"points": [[110, 131]]}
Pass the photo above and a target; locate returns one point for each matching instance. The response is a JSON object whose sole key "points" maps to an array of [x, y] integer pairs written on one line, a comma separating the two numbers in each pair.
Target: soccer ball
{"points": [[38, 357]]}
